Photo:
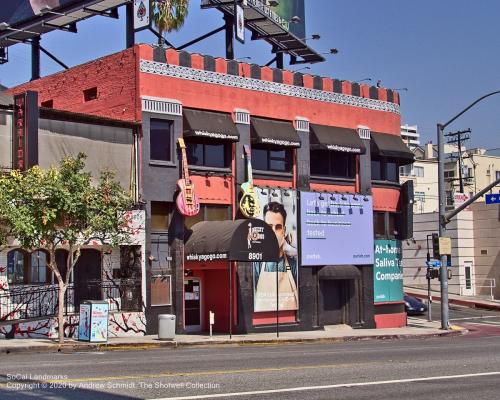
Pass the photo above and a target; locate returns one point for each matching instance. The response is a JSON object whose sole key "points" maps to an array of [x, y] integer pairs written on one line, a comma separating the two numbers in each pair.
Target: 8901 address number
{"points": [[255, 256]]}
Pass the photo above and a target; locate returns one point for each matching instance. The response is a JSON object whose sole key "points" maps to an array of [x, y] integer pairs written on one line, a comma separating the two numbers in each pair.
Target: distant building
{"points": [[410, 135], [475, 261], [478, 168], [424, 174], [474, 232]]}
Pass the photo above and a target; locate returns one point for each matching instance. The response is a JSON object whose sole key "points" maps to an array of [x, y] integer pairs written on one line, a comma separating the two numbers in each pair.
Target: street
{"points": [[449, 368], [479, 322]]}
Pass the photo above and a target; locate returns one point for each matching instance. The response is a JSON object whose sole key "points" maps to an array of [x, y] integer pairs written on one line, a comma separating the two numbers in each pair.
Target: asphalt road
{"points": [[478, 322], [446, 368]]}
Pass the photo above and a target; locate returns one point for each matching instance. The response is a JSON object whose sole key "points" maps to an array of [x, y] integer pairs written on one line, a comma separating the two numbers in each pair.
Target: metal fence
{"points": [[25, 302], [32, 301]]}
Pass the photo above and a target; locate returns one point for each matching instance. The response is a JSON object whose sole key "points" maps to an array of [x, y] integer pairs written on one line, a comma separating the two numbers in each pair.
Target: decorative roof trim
{"points": [[175, 71], [241, 116], [302, 124], [364, 132], [161, 106]]}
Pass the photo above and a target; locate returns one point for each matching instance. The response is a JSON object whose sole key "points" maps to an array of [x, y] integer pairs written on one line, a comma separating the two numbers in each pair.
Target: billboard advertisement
{"points": [[15, 12], [271, 279], [287, 9], [336, 229], [388, 271]]}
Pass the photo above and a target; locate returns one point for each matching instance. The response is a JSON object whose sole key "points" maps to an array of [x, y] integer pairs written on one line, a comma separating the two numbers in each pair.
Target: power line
{"points": [[459, 137]]}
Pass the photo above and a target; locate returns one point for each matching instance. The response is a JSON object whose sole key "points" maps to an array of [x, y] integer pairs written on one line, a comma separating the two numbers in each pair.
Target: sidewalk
{"points": [[467, 301], [417, 328]]}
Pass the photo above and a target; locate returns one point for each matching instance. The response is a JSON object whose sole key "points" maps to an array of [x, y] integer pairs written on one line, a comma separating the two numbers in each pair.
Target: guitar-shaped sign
{"points": [[187, 202], [249, 202]]}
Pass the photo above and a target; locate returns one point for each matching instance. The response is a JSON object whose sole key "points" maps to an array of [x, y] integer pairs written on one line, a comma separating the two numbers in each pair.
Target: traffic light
{"points": [[435, 246], [432, 273]]}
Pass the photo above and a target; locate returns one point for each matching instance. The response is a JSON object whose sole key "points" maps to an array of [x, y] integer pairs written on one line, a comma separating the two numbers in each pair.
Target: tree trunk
{"points": [[60, 313]]}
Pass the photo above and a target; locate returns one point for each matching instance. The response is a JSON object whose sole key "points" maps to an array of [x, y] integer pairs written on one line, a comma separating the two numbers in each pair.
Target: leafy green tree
{"points": [[169, 15], [60, 207]]}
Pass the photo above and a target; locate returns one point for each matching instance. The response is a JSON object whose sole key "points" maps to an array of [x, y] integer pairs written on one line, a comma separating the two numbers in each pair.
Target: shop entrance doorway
{"points": [[192, 305], [334, 301], [87, 276]]}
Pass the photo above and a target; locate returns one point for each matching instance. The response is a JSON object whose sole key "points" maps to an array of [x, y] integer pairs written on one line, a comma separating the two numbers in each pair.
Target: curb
{"points": [[71, 348], [460, 302]]}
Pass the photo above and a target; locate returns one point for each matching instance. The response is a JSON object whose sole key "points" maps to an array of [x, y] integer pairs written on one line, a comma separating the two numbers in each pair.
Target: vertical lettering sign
{"points": [[142, 15], [239, 21], [19, 133]]}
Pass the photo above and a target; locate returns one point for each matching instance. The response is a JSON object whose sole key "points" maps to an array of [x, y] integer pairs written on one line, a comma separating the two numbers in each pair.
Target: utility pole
{"points": [[458, 138], [442, 207]]}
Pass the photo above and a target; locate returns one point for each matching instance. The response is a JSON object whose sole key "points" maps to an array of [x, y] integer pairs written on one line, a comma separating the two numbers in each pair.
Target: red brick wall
{"points": [[115, 79]]}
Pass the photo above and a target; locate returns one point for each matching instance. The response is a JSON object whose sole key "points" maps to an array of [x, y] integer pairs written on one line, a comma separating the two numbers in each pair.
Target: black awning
{"points": [[240, 240], [336, 139], [210, 125], [387, 145], [339, 272], [274, 133]]}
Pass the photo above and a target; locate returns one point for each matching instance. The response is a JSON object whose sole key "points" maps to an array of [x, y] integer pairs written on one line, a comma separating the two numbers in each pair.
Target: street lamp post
{"points": [[442, 208]]}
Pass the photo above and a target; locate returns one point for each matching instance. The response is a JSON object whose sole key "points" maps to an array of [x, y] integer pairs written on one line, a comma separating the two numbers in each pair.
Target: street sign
{"points": [[492, 198], [433, 264], [444, 245], [459, 199]]}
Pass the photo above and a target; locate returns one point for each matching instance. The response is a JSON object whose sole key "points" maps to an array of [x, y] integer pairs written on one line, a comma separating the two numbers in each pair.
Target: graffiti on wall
{"points": [[120, 325]]}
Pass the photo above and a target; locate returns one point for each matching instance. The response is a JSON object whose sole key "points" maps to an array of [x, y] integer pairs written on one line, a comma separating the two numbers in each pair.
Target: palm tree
{"points": [[169, 15]]}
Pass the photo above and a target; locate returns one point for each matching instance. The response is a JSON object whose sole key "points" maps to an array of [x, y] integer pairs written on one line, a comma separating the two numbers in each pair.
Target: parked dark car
{"points": [[414, 306]]}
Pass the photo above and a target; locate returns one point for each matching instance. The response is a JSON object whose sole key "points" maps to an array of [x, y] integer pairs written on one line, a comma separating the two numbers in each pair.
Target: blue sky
{"points": [[446, 52]]}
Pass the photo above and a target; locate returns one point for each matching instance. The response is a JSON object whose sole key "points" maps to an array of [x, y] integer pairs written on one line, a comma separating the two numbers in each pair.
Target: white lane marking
{"points": [[340, 385], [485, 323], [463, 319]]}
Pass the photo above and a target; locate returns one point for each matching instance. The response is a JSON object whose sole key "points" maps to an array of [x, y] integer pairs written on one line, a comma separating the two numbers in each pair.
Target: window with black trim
{"points": [[210, 212], [272, 159], [333, 164], [208, 153], [39, 267], [25, 268], [161, 215], [384, 169], [385, 225], [393, 232], [379, 224], [160, 139], [16, 266]]}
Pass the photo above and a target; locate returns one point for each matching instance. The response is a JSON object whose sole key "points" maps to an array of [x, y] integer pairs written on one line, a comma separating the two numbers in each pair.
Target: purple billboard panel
{"points": [[336, 229]]}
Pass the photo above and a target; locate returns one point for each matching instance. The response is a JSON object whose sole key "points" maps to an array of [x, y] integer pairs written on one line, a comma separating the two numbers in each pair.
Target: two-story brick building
{"points": [[308, 135]]}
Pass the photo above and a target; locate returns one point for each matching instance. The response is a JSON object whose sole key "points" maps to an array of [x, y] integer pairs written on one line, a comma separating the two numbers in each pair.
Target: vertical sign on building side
{"points": [[142, 14], [19, 133], [239, 21], [25, 131], [388, 271]]}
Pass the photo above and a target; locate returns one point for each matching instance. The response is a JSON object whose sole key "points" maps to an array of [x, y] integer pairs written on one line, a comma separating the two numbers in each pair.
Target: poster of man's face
{"points": [[279, 210]]}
